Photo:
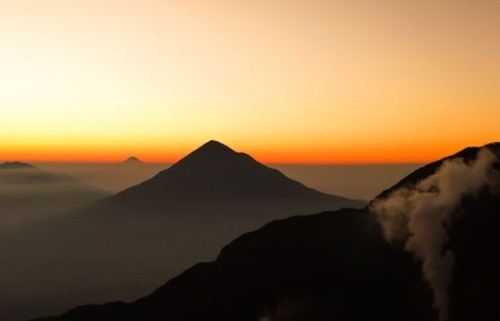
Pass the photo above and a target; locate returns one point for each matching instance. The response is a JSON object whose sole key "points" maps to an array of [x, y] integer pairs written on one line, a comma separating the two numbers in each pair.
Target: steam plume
{"points": [[421, 215]]}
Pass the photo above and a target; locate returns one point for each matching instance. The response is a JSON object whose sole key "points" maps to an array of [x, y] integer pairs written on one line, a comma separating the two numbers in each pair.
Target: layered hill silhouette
{"points": [[330, 266], [147, 233], [28, 193], [340, 265]]}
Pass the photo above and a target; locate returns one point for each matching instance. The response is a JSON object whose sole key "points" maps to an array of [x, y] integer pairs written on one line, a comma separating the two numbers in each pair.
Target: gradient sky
{"points": [[311, 81]]}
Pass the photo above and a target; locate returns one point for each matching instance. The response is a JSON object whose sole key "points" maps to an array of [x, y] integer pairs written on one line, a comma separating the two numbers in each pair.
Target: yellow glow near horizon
{"points": [[287, 81]]}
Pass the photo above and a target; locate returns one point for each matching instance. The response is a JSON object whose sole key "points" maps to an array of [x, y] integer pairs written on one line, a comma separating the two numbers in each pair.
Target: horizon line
{"points": [[271, 163]]}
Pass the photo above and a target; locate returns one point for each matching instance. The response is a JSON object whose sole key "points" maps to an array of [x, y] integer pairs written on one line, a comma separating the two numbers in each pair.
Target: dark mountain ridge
{"points": [[15, 165], [467, 154], [471, 232], [301, 268]]}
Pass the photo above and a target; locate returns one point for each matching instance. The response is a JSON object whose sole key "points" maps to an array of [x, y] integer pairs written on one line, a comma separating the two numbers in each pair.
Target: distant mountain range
{"points": [[340, 265], [149, 232], [15, 165], [28, 193]]}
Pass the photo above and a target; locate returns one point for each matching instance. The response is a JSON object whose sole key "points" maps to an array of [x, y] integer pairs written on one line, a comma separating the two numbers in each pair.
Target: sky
{"points": [[368, 81]]}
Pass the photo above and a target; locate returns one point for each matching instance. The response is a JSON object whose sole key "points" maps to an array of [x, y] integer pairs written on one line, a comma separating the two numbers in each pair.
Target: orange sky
{"points": [[287, 81]]}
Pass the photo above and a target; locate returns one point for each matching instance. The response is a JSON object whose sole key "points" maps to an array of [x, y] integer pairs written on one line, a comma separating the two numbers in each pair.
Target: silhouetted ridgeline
{"points": [[446, 214], [125, 245], [331, 266], [349, 264], [467, 154]]}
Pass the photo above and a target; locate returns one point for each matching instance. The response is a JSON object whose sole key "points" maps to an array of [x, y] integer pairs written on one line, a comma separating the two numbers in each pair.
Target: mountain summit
{"points": [[217, 156], [213, 146], [132, 160], [213, 156]]}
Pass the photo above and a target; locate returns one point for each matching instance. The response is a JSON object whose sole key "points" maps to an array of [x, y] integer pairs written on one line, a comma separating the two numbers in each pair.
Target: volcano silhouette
{"points": [[132, 160], [215, 174]]}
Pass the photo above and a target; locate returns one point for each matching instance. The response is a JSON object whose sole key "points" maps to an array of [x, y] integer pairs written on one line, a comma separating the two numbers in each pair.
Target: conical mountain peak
{"points": [[213, 147], [210, 153], [133, 160], [214, 144]]}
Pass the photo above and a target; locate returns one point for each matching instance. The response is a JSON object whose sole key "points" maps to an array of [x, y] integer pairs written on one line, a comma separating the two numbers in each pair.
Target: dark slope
{"points": [[467, 154], [28, 193], [147, 233], [473, 239], [331, 266]]}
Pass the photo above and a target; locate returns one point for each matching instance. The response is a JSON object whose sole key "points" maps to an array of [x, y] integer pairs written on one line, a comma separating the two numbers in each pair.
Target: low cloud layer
{"points": [[28, 194], [112, 177], [421, 215]]}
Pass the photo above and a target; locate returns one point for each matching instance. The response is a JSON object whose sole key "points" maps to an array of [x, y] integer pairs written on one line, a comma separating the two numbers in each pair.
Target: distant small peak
{"points": [[15, 165], [133, 160]]}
